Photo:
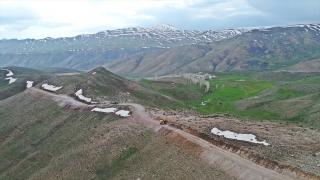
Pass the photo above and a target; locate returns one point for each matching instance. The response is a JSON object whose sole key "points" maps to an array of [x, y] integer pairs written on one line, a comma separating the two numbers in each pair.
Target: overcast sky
{"points": [[67, 18]]}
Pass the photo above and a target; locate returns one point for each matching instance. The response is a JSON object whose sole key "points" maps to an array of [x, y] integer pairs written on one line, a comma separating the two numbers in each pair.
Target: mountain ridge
{"points": [[87, 51], [258, 50]]}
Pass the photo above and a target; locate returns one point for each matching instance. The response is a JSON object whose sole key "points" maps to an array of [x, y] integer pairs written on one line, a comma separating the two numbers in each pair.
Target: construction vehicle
{"points": [[165, 121]]}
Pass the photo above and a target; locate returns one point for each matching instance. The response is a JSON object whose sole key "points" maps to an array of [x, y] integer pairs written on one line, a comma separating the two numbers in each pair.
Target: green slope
{"points": [[23, 75], [101, 85], [279, 96]]}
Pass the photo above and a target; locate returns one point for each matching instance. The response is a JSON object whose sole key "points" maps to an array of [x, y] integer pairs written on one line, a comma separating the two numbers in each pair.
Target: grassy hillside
{"points": [[280, 96], [23, 75], [41, 140], [102, 85]]}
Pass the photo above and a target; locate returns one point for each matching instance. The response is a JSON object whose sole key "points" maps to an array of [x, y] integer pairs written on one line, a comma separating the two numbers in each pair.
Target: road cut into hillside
{"points": [[62, 99], [231, 163]]}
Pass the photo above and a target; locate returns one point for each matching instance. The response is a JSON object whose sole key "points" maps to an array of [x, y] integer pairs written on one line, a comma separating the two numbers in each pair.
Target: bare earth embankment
{"points": [[233, 163]]}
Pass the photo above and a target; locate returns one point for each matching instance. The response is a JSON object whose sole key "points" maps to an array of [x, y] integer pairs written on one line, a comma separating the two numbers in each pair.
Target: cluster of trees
{"points": [[192, 79]]}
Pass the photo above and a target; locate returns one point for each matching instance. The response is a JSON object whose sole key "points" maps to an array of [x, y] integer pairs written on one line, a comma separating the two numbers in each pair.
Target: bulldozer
{"points": [[165, 121]]}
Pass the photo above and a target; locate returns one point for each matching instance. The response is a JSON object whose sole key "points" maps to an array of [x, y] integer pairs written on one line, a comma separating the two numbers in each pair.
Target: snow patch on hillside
{"points": [[80, 96], [236, 136], [10, 73], [105, 110], [29, 84], [11, 80], [123, 113], [50, 87]]}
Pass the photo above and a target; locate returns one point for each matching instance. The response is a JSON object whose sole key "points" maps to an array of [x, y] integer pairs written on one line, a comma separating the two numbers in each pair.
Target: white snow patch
{"points": [[29, 84], [94, 72], [123, 113], [50, 87], [105, 110], [241, 137], [80, 96], [11, 79], [10, 73]]}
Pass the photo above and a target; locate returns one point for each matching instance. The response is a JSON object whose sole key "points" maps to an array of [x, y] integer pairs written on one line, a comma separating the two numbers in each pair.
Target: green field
{"points": [[276, 96], [226, 90]]}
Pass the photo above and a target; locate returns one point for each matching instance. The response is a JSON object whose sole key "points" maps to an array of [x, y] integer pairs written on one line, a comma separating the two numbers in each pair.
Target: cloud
{"points": [[289, 12], [39, 19], [17, 18]]}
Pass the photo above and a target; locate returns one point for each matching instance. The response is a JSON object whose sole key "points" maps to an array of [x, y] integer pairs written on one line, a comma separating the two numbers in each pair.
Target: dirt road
{"points": [[61, 99], [231, 163]]}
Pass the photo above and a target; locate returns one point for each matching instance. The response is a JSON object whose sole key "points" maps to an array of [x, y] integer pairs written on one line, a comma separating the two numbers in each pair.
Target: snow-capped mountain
{"points": [[160, 36], [251, 49], [87, 51]]}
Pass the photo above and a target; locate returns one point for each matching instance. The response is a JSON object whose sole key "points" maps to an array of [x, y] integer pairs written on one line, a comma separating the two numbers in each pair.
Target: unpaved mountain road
{"points": [[62, 99], [231, 163]]}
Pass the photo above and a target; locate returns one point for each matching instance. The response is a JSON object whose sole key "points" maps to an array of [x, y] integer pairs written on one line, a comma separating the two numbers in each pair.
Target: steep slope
{"points": [[85, 52], [267, 49], [41, 140]]}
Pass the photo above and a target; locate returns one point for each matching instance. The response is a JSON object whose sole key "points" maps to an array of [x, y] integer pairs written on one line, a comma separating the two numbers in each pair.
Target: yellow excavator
{"points": [[165, 121]]}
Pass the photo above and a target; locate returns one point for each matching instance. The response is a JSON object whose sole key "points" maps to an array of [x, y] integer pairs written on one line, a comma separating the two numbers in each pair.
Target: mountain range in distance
{"points": [[275, 48], [165, 49]]}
